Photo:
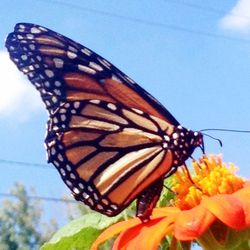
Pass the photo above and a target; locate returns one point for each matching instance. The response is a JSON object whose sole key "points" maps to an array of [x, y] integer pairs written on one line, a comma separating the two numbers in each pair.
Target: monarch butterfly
{"points": [[110, 140]]}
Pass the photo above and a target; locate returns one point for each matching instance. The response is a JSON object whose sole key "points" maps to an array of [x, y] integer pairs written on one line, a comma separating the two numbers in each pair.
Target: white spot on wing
{"points": [[21, 26], [86, 69], [62, 171], [71, 55], [86, 51], [30, 36], [91, 202], [69, 183], [129, 79], [54, 99], [24, 57], [99, 207], [35, 30], [114, 77], [112, 106], [175, 135], [95, 101], [72, 176], [85, 195], [137, 111], [76, 105], [76, 190], [166, 137], [57, 84], [49, 73], [68, 168], [104, 63], [58, 62], [47, 84], [42, 28], [72, 49], [32, 46], [95, 66]]}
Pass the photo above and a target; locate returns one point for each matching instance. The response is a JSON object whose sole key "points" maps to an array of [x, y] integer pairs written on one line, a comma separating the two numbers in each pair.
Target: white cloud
{"points": [[238, 19], [17, 96]]}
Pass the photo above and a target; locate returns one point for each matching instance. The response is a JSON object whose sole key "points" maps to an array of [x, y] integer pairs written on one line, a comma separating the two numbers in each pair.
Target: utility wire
{"points": [[30, 164], [206, 9], [146, 22], [33, 197]]}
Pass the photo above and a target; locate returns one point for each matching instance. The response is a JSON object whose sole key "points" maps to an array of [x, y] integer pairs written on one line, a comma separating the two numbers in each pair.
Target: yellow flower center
{"points": [[211, 176]]}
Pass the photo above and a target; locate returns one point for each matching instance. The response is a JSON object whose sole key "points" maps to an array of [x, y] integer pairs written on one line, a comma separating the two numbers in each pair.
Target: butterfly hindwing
{"points": [[106, 154]]}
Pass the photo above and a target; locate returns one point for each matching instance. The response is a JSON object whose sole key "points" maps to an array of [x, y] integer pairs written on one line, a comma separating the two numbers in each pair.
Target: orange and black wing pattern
{"points": [[110, 140], [62, 69]]}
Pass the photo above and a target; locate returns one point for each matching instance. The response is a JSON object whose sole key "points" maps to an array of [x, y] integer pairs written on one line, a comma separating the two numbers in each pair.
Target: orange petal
{"points": [[226, 208], [149, 234], [190, 224], [152, 237], [244, 196], [125, 237], [165, 212], [247, 183], [113, 230], [123, 241]]}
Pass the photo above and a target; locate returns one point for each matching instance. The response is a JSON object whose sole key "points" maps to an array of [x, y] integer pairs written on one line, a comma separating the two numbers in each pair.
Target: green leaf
{"points": [[80, 233]]}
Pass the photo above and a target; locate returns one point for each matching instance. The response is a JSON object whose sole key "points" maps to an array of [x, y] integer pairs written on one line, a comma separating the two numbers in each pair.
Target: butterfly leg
{"points": [[148, 199]]}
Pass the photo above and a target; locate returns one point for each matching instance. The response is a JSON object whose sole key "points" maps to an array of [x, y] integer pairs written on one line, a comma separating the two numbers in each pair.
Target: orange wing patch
{"points": [[52, 51], [101, 113], [83, 87], [48, 40], [86, 170], [129, 97], [134, 184], [83, 83], [76, 154], [75, 136], [105, 181], [128, 138]]}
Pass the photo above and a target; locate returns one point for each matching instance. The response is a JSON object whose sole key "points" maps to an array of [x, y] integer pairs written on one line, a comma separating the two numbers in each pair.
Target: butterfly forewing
{"points": [[62, 69], [106, 152]]}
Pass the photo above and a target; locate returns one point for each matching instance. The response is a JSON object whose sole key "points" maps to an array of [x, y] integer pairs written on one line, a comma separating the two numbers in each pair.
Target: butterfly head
{"points": [[183, 143]]}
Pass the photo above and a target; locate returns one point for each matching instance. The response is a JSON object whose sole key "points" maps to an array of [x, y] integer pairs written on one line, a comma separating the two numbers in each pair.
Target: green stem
{"points": [[208, 241]]}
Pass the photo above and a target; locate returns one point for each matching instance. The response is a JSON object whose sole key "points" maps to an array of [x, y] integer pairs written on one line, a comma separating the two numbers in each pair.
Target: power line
{"points": [[30, 164], [207, 9], [146, 22], [33, 197]]}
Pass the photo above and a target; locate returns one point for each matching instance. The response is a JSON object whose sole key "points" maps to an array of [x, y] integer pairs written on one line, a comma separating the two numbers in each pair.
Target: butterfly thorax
{"points": [[182, 142]]}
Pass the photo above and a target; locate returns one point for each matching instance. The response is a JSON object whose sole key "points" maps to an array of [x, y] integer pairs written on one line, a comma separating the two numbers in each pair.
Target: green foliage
{"points": [[167, 195], [20, 221], [80, 233]]}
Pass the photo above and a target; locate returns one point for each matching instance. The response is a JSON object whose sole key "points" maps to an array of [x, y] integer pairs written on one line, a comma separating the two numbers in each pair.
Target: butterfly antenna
{"points": [[225, 130], [214, 138]]}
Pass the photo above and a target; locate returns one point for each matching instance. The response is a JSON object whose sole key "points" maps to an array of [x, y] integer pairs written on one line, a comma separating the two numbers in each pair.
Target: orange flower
{"points": [[213, 207]]}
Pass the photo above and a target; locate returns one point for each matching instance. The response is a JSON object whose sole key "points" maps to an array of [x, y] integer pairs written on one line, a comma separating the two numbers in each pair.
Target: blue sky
{"points": [[193, 55]]}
